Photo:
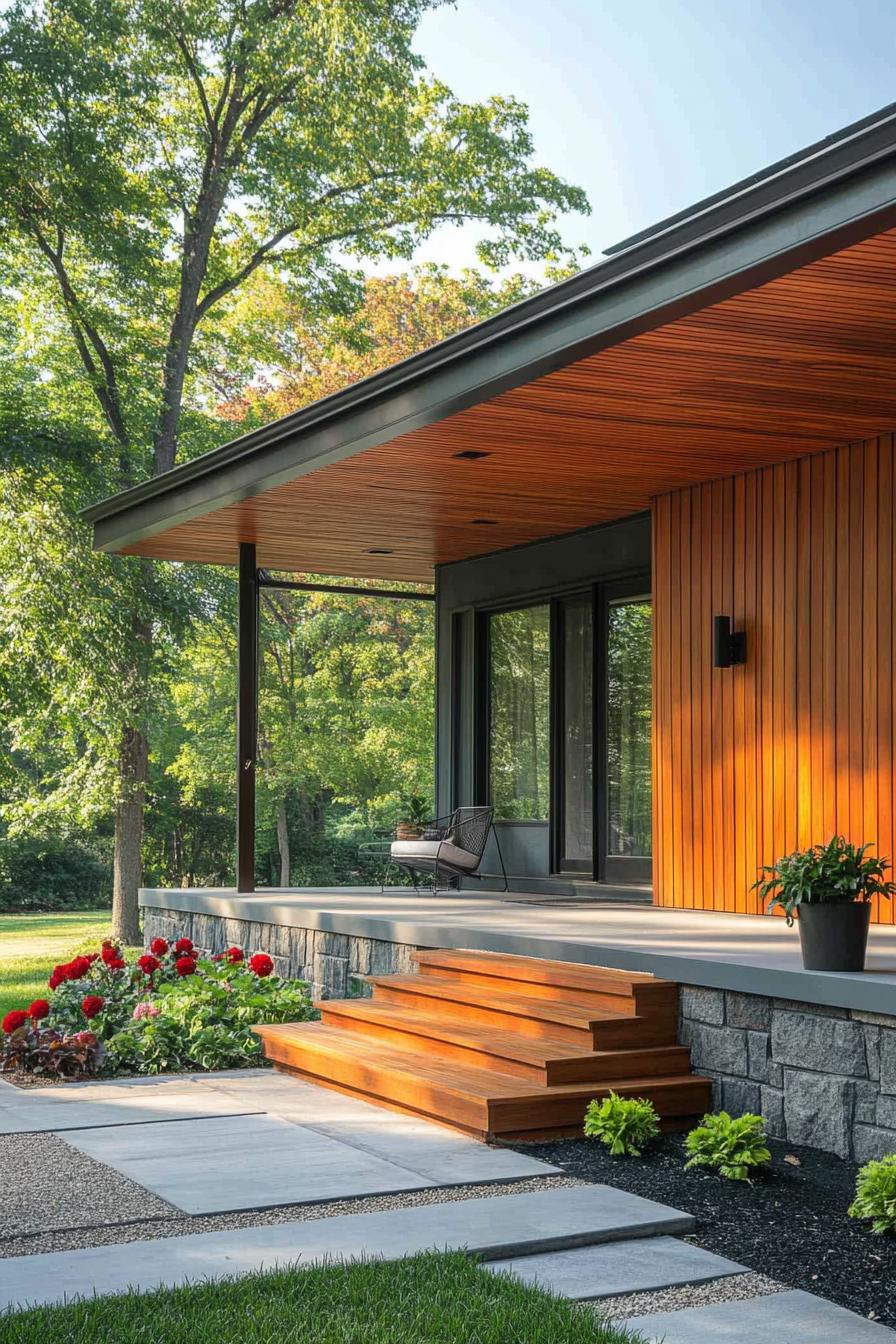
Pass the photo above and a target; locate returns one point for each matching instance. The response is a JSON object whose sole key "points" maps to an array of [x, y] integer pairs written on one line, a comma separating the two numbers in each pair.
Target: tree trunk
{"points": [[283, 842], [127, 867]]}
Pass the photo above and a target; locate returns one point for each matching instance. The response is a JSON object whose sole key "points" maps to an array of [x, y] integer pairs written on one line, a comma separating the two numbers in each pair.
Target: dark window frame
{"points": [[606, 868]]}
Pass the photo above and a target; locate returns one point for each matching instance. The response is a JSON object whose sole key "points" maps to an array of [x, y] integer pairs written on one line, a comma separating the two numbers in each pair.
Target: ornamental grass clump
{"points": [[170, 1010], [624, 1124], [876, 1195], [733, 1148]]}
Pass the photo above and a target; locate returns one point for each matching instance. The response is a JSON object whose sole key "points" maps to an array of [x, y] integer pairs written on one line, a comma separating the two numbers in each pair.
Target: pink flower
{"points": [[145, 1010]]}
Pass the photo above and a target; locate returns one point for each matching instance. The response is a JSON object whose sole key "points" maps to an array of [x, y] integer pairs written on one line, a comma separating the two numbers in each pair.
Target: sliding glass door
{"points": [[566, 713]]}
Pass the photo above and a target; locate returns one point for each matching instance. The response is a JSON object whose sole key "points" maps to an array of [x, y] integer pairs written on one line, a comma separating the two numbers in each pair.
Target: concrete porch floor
{"points": [[756, 954]]}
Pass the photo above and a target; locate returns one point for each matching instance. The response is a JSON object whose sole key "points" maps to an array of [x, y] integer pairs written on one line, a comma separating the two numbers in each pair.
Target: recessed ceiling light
{"points": [[470, 455], [379, 550], [484, 522]]}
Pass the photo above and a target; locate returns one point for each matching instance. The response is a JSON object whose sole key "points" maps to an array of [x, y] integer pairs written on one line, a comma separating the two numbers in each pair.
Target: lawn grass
{"points": [[31, 945], [426, 1299]]}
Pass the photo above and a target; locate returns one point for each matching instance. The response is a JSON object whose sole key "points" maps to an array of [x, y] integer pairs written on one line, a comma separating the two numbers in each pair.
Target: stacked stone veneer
{"points": [[328, 961], [820, 1076]]}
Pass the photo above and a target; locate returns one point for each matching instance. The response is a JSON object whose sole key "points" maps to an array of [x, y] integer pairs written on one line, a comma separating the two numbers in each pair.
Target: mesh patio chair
{"points": [[449, 847]]}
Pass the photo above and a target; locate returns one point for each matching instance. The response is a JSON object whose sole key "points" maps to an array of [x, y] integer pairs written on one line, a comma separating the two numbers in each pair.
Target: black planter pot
{"points": [[834, 937]]}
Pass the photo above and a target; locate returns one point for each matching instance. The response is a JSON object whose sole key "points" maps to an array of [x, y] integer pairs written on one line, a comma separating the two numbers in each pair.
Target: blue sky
{"points": [[652, 104]]}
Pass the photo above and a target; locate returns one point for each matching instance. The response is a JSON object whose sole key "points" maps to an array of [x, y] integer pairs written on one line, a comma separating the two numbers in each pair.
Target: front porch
{"points": [[813, 1052]]}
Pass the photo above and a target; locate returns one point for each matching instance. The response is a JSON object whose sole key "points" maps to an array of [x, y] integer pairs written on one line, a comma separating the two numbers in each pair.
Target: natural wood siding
{"points": [[753, 761]]}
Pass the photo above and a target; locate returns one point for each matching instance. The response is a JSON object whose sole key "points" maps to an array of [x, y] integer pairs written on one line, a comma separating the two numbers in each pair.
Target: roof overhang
{"points": [[723, 339]]}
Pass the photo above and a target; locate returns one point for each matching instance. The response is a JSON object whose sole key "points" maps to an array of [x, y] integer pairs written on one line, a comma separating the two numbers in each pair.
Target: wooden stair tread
{"points": [[535, 971], [580, 1015], [533, 1049], [485, 1084], [498, 1043]]}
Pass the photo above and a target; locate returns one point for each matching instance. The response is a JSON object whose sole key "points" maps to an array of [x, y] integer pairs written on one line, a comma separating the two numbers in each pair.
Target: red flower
{"points": [[110, 953], [57, 977], [76, 968], [183, 947], [234, 954], [12, 1021], [185, 966], [91, 1005], [261, 964], [39, 1008], [158, 947], [148, 964], [92, 958], [117, 964]]}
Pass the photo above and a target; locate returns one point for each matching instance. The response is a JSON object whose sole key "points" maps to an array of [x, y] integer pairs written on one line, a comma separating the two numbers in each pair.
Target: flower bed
{"points": [[168, 1011]]}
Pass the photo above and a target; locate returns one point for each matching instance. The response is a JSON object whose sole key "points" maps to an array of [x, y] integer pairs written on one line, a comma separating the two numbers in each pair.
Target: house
{"points": [[657, 502]]}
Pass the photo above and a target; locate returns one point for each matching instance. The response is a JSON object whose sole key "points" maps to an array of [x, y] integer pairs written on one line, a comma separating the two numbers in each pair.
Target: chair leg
{"points": [[501, 858]]}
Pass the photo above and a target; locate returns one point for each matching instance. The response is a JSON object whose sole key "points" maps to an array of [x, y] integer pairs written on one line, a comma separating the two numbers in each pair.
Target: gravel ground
{"points": [[47, 1185], [109, 1210], [791, 1223], [734, 1288]]}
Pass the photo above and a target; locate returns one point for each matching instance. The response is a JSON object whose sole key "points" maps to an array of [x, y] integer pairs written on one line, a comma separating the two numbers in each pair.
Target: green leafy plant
{"points": [[830, 874], [876, 1194], [731, 1147], [167, 1010], [624, 1124]]}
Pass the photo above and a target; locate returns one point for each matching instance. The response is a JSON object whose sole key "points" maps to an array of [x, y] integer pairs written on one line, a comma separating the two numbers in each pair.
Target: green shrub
{"points": [[163, 1012], [733, 1148], [51, 874], [876, 1194], [624, 1124]]}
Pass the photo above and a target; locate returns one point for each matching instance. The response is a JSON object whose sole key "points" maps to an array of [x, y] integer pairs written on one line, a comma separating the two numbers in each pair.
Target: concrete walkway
{"points": [[210, 1143], [253, 1140]]}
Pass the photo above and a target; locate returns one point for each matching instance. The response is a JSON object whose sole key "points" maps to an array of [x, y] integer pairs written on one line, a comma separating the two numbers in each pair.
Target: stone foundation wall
{"points": [[328, 961], [821, 1076]]}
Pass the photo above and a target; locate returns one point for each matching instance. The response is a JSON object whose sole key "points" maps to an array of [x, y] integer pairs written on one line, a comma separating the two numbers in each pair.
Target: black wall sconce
{"points": [[728, 647]]}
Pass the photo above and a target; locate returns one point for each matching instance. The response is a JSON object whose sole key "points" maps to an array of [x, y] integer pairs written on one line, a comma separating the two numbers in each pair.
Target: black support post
{"points": [[246, 717]]}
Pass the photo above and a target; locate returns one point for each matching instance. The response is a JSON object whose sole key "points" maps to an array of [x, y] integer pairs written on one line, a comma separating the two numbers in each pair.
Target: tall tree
{"points": [[155, 154]]}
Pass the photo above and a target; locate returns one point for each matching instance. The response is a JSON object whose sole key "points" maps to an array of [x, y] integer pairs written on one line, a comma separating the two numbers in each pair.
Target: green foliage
{"points": [[624, 1124], [50, 1053], [830, 874], [733, 1148], [159, 161], [876, 1194], [51, 874], [169, 1022], [431, 1298]]}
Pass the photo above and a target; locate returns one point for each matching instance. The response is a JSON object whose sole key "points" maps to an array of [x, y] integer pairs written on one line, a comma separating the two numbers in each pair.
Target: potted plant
{"points": [[416, 814], [830, 888]]}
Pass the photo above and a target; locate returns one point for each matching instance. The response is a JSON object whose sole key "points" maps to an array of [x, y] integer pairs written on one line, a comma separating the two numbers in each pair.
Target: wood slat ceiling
{"points": [[801, 364]]}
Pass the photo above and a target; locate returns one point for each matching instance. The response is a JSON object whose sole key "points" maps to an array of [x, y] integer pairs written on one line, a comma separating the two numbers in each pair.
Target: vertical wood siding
{"points": [[753, 761]]}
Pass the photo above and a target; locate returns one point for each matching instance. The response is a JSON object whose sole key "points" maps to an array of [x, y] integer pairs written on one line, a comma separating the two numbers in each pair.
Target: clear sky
{"points": [[652, 104]]}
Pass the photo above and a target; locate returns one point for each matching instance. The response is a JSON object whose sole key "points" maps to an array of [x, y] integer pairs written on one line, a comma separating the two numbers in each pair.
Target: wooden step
{"points": [[629, 992], [575, 1023], [482, 1102], [543, 1061]]}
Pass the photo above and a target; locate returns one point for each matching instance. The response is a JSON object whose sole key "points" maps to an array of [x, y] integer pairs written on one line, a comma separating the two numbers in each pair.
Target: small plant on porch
{"points": [[830, 874], [876, 1194], [830, 887], [624, 1124], [416, 812], [732, 1147]]}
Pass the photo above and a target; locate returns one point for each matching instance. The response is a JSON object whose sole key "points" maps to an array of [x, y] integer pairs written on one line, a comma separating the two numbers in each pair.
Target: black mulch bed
{"points": [[791, 1224]]}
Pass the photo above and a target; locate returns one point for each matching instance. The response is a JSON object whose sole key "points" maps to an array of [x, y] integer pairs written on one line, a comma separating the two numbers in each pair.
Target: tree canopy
{"points": [[165, 165]]}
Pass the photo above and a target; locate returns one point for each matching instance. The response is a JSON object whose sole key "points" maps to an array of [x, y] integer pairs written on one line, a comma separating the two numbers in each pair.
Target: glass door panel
{"points": [[575, 740], [628, 737], [519, 713]]}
